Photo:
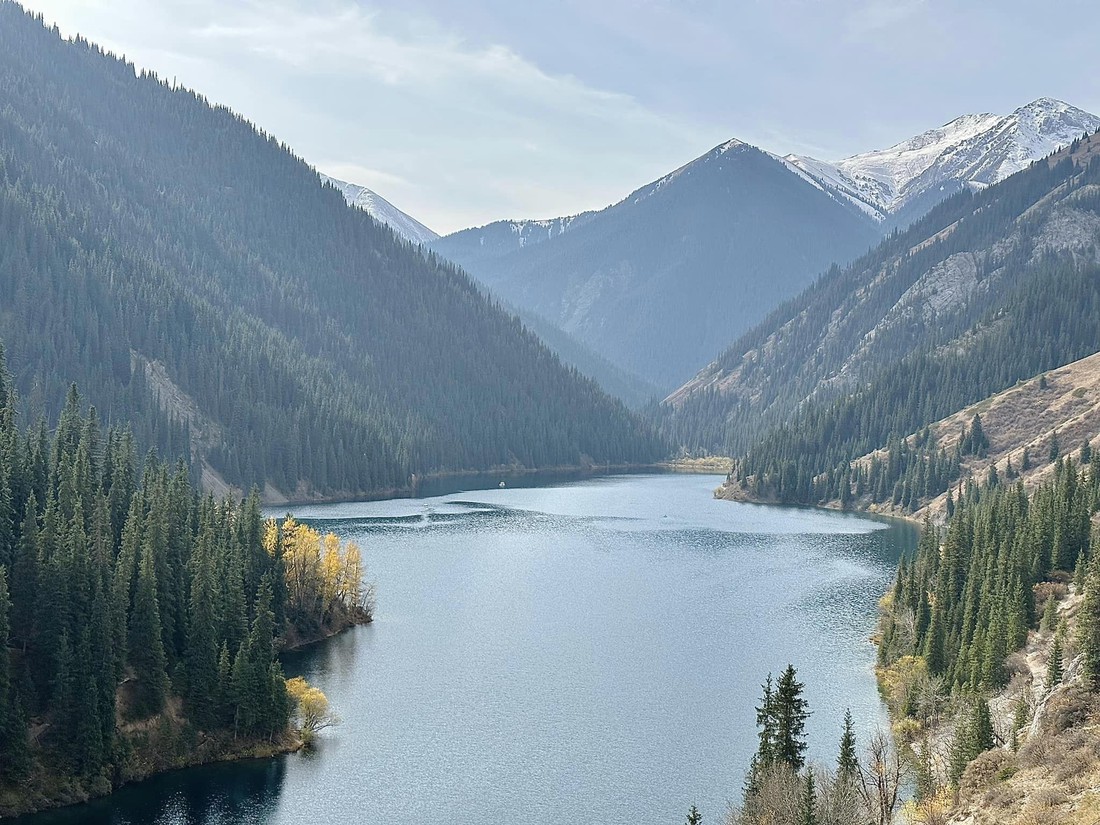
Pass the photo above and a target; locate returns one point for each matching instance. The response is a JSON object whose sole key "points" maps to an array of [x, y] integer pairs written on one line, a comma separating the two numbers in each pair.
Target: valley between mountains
{"points": [[200, 329]]}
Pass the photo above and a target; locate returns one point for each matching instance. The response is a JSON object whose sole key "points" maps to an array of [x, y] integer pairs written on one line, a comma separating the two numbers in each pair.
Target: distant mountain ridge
{"points": [[383, 211], [657, 282], [499, 238], [991, 287], [898, 184], [705, 277]]}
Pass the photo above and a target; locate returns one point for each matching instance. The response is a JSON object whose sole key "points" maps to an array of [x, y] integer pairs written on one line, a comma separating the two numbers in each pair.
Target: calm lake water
{"points": [[589, 652]]}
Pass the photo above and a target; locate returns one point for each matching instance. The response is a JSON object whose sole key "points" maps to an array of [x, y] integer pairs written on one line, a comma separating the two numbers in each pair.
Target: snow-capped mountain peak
{"points": [[383, 211], [973, 150]]}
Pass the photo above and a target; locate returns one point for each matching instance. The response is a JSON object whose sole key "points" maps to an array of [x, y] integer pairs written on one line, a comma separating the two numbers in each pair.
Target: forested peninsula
{"points": [[140, 621]]}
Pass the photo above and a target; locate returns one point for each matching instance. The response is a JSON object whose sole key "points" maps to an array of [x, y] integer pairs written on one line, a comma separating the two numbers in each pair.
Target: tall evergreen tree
{"points": [[808, 809], [1055, 667], [766, 723], [146, 642], [790, 715], [847, 761]]}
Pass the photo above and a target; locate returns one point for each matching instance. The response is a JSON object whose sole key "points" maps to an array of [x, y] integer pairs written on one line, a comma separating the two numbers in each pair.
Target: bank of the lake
{"points": [[163, 745], [427, 485], [588, 651]]}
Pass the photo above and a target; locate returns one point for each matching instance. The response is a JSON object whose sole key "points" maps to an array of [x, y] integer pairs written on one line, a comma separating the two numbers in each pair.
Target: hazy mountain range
{"points": [[661, 281]]}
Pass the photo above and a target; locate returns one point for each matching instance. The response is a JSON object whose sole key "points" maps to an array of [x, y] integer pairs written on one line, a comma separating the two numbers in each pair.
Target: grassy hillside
{"points": [[1059, 409]]}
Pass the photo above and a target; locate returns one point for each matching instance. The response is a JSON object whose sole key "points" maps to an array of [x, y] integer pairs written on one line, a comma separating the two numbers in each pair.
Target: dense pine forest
{"points": [[1050, 320], [140, 621], [1044, 312], [960, 613], [197, 280], [973, 602]]}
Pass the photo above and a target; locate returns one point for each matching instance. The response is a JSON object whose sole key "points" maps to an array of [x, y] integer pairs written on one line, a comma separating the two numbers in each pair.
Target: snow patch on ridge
{"points": [[383, 211], [974, 150]]}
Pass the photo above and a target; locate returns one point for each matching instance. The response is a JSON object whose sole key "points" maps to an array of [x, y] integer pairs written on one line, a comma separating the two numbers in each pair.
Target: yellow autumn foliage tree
{"points": [[324, 576], [311, 708]]}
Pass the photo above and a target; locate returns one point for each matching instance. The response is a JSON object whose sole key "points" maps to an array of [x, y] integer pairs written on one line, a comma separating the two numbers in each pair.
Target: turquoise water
{"points": [[589, 652]]}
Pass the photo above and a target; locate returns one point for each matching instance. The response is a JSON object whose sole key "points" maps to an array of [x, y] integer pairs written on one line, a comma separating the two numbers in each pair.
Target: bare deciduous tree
{"points": [[880, 776]]}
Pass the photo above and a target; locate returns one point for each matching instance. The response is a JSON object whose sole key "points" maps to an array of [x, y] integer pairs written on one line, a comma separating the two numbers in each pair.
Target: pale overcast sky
{"points": [[465, 111]]}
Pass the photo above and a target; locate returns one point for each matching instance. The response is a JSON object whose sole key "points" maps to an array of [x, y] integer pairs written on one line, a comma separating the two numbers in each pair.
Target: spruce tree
{"points": [[790, 720], [1088, 626], [146, 647], [1055, 667], [694, 817], [808, 807], [847, 760], [1049, 621], [982, 727], [7, 722], [766, 722], [202, 651]]}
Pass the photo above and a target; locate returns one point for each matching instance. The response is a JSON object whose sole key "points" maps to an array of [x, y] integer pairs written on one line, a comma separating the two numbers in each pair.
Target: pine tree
{"points": [[807, 809], [790, 720], [146, 647], [847, 761], [694, 817], [1055, 448]]}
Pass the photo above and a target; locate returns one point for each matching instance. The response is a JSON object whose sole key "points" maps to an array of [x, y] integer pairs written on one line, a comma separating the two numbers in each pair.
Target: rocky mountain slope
{"points": [[383, 211], [1057, 412], [899, 184], [929, 294]]}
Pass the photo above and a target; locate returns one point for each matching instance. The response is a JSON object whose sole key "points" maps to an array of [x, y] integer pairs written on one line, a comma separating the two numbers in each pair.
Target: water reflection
{"points": [[244, 792]]}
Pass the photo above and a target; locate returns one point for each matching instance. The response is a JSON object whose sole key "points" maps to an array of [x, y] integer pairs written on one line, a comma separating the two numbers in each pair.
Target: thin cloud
{"points": [[458, 132]]}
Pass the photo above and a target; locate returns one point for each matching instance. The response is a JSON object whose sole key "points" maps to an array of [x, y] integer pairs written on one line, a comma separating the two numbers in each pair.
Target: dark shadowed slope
{"points": [[195, 276], [660, 281]]}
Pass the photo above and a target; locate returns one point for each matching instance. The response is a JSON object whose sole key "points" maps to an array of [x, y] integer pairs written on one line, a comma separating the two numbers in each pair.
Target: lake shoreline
{"points": [[731, 492], [45, 791], [415, 488], [455, 672]]}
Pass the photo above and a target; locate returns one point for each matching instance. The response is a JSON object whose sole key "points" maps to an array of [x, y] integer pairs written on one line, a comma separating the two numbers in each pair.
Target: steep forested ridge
{"points": [[658, 282], [196, 278], [988, 289]]}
